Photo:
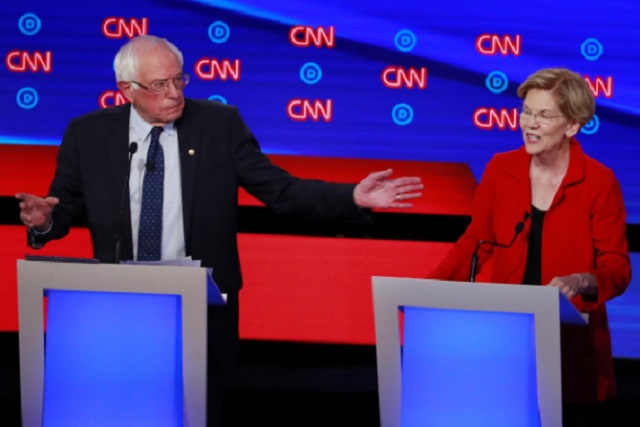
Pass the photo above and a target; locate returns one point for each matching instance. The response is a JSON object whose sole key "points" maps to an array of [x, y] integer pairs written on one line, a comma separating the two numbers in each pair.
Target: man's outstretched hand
{"points": [[377, 191]]}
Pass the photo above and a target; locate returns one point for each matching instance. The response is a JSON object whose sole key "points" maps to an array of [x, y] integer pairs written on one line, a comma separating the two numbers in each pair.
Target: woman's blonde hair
{"points": [[570, 91]]}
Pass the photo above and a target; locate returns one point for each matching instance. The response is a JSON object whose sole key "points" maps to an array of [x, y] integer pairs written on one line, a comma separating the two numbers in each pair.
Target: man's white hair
{"points": [[126, 61]]}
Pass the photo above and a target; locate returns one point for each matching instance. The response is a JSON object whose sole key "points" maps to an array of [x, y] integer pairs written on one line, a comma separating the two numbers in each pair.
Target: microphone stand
{"points": [[133, 147], [474, 257]]}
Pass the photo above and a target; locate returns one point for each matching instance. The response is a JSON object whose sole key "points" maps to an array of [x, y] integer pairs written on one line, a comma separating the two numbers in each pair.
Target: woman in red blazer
{"points": [[574, 236]]}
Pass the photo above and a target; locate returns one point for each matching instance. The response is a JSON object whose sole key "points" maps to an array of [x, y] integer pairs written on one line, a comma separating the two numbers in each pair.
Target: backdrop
{"points": [[426, 81]]}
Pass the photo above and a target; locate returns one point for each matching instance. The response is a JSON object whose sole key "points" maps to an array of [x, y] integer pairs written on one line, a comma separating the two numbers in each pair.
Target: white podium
{"points": [[469, 354], [125, 345]]}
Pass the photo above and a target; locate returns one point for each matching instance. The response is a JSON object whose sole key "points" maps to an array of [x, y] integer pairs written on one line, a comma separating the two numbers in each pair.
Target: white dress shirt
{"points": [[173, 245]]}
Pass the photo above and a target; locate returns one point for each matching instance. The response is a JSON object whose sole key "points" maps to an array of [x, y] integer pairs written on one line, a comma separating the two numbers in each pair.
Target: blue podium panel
{"points": [[113, 359], [468, 368]]}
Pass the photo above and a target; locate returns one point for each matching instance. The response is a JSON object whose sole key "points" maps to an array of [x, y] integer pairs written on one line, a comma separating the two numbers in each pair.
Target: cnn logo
{"points": [[20, 61], [492, 44], [305, 36], [111, 98], [395, 77], [490, 118], [302, 110], [211, 69], [117, 28]]}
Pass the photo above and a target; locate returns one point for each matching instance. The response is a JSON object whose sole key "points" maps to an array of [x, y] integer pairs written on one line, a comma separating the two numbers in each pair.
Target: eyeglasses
{"points": [[544, 118], [162, 86]]}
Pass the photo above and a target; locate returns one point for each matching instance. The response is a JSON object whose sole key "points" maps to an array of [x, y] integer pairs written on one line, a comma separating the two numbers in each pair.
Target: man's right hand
{"points": [[36, 211]]}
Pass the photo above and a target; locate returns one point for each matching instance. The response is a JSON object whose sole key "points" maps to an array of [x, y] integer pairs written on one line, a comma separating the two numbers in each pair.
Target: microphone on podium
{"points": [[133, 147], [474, 257]]}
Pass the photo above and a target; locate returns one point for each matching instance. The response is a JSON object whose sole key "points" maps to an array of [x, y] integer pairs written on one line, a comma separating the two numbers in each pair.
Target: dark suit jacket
{"points": [[92, 168]]}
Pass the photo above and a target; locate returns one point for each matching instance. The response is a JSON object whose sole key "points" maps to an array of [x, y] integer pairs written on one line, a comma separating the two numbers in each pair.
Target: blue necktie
{"points": [[150, 233]]}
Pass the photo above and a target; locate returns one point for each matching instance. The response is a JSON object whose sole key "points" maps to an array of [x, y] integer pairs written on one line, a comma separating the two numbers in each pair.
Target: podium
{"points": [[469, 354], [124, 345]]}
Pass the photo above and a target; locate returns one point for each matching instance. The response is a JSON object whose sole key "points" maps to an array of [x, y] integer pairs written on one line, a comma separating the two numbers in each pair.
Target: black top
{"points": [[532, 272]]}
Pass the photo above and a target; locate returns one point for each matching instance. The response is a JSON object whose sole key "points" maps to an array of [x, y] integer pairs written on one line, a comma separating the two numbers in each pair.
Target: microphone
{"points": [[133, 147], [474, 257]]}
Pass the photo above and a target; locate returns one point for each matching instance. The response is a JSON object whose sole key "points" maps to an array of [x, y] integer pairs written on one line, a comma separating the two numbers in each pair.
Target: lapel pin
{"points": [[192, 152]]}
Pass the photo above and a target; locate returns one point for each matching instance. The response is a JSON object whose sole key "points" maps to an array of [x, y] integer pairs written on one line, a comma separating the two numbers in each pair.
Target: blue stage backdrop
{"points": [[411, 80]]}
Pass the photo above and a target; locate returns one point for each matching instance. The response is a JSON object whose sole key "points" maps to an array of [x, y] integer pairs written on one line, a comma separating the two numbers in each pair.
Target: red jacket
{"points": [[583, 231]]}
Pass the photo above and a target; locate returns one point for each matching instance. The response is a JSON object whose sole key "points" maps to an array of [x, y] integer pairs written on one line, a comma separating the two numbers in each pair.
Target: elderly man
{"points": [[192, 157]]}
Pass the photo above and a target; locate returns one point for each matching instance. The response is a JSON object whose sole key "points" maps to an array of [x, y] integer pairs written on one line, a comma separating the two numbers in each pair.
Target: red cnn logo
{"points": [[396, 77], [491, 44], [600, 85], [302, 110], [111, 98], [210, 69], [19, 61], [489, 118], [117, 28], [305, 36]]}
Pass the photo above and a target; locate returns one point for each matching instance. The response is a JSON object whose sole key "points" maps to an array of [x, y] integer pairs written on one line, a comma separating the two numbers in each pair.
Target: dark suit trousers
{"points": [[223, 345]]}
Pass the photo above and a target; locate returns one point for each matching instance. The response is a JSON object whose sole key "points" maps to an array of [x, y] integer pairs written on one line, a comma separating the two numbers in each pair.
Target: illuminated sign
{"points": [[20, 61], [219, 32], [29, 24], [310, 73], [402, 114], [211, 69], [111, 98], [497, 82], [489, 118], [492, 44], [302, 110], [27, 98], [305, 36], [117, 28], [591, 49], [395, 77], [600, 85], [405, 40]]}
